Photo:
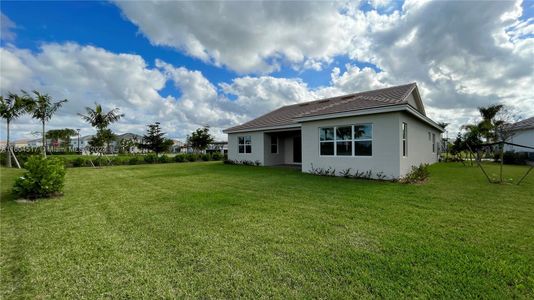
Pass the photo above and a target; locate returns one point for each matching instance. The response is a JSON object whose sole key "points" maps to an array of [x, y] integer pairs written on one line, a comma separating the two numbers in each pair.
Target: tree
{"points": [[98, 118], [154, 141], [42, 108], [101, 120], [200, 139], [61, 134], [11, 108], [102, 137], [488, 124]]}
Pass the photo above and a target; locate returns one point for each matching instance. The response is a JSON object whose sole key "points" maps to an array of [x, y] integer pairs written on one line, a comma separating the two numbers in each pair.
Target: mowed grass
{"points": [[209, 230]]}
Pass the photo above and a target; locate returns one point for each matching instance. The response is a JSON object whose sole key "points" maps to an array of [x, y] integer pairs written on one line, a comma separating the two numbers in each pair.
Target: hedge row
{"points": [[151, 158]]}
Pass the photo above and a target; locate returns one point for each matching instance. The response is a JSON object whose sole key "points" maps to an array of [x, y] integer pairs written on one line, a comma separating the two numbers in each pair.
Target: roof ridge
{"points": [[353, 94]]}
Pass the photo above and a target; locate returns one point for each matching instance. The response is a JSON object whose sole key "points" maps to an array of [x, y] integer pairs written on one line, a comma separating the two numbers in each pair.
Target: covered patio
{"points": [[282, 148]]}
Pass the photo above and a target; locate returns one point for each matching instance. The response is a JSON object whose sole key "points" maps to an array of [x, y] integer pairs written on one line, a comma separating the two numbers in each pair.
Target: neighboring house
{"points": [[522, 134], [385, 131], [35, 143], [221, 147]]}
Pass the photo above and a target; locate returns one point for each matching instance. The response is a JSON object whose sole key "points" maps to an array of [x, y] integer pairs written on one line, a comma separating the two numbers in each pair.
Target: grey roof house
{"points": [[522, 134], [384, 131]]}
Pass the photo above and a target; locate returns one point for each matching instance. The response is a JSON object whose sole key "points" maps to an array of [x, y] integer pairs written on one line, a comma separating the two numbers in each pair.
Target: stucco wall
{"points": [[272, 159], [522, 137], [419, 145], [385, 157], [257, 142]]}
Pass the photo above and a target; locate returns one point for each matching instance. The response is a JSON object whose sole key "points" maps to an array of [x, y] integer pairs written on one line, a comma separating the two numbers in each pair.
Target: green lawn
{"points": [[210, 230]]}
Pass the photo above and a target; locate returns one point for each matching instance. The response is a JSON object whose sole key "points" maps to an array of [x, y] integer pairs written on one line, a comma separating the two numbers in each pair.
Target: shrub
{"points": [[79, 162], [417, 174], [134, 160], [164, 159], [206, 157], [150, 158], [191, 157], [216, 156], [179, 158], [257, 163], [44, 178], [515, 158], [227, 161]]}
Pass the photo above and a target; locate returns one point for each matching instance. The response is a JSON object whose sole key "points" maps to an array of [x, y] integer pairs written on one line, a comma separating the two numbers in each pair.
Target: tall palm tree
{"points": [[42, 108], [11, 108], [101, 120]]}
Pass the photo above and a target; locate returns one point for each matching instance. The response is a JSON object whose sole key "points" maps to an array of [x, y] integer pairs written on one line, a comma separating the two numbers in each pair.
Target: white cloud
{"points": [[462, 55], [247, 36], [6, 28]]}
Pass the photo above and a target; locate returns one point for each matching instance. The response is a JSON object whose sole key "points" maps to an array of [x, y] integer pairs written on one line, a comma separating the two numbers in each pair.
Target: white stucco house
{"points": [[385, 131], [522, 134]]}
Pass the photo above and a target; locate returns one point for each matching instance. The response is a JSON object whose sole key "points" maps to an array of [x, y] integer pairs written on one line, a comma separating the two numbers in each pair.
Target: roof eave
{"points": [[230, 130], [369, 111]]}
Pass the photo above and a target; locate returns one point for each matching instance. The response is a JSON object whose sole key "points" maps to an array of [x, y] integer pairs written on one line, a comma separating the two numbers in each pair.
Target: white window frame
{"points": [[333, 141], [277, 143], [404, 139], [245, 137], [352, 140]]}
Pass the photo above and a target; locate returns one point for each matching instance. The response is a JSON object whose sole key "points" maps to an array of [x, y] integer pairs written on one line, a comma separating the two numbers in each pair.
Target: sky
{"points": [[191, 64]]}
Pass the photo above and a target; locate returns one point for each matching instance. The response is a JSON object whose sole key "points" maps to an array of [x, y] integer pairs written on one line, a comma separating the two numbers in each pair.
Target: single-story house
{"points": [[384, 131], [522, 133]]}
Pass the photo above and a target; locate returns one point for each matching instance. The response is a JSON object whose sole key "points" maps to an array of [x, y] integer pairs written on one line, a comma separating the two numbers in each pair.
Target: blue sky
{"points": [[233, 71]]}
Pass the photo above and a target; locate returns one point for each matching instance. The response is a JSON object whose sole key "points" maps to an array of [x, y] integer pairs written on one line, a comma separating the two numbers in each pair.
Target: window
{"points": [[244, 144], [404, 139], [344, 141], [326, 141], [433, 142], [274, 144], [352, 140], [363, 140]]}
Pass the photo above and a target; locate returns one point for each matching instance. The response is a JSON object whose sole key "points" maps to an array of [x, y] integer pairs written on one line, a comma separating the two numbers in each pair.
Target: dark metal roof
{"points": [[286, 115]]}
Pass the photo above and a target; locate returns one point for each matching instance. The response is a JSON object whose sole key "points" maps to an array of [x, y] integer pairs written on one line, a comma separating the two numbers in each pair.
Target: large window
{"points": [[274, 144], [244, 144], [351, 140], [404, 139]]}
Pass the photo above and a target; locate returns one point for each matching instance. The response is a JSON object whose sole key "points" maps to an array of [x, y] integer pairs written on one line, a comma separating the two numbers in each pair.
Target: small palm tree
{"points": [[11, 108], [98, 118], [101, 120], [42, 108]]}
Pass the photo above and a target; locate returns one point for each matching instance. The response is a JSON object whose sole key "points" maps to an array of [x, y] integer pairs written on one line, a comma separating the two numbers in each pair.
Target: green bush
{"points": [[79, 162], [216, 156], [134, 160], [515, 158], [206, 157], [179, 158], [417, 174], [44, 177], [191, 157], [151, 158], [164, 159]]}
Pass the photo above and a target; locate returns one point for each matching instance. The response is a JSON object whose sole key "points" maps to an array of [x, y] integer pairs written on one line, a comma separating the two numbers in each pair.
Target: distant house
{"points": [[385, 131], [522, 134]]}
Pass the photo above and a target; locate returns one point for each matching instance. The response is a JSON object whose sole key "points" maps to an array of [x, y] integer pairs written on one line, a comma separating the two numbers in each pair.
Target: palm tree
{"points": [[101, 120], [488, 123], [11, 108], [98, 118], [43, 109]]}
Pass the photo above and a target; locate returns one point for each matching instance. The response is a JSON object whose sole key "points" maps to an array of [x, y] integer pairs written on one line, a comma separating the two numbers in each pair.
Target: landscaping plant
{"points": [[43, 178]]}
